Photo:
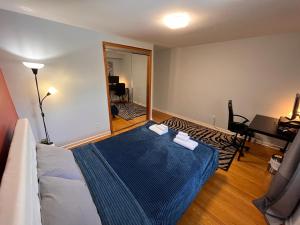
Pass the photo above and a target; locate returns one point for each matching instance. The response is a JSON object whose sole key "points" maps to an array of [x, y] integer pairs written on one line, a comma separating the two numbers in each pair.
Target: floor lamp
{"points": [[35, 67]]}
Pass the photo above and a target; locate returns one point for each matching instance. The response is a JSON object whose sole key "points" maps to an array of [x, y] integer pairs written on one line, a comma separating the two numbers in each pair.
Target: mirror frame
{"points": [[134, 50]]}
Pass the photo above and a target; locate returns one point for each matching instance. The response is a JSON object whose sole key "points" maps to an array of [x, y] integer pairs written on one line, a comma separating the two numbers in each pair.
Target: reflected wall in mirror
{"points": [[127, 79]]}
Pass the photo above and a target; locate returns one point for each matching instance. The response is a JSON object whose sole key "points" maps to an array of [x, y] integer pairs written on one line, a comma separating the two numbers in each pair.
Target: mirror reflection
{"points": [[127, 82]]}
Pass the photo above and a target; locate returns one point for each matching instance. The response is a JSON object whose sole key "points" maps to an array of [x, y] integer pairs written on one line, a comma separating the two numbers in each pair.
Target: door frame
{"points": [[135, 50]]}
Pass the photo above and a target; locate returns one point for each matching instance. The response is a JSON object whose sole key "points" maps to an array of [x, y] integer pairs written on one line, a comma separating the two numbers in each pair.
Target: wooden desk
{"points": [[268, 126]]}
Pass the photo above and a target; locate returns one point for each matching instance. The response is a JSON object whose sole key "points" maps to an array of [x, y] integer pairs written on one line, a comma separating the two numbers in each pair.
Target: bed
{"points": [[137, 177]]}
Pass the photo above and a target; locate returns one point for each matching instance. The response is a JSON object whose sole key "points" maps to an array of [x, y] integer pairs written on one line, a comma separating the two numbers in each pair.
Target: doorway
{"points": [[128, 81]]}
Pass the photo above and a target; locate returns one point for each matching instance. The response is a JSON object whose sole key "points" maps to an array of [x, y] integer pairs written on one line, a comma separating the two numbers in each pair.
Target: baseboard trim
{"points": [[87, 140], [139, 103], [255, 140], [195, 121], [266, 144]]}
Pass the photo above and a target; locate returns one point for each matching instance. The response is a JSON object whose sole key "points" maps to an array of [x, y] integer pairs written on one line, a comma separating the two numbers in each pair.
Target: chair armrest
{"points": [[245, 119]]}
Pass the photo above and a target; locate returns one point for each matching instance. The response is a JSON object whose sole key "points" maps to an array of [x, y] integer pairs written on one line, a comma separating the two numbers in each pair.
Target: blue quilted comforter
{"points": [[139, 177]]}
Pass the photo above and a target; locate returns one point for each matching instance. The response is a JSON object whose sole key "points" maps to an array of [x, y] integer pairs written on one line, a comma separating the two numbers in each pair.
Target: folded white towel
{"points": [[190, 144], [163, 127], [182, 133], [182, 137], [155, 129]]}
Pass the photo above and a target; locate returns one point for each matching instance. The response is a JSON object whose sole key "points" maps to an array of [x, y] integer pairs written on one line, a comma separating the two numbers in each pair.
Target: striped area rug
{"points": [[207, 135], [129, 111]]}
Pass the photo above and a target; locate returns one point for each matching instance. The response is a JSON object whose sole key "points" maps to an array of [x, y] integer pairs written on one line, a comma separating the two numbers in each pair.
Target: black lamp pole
{"points": [[47, 139]]}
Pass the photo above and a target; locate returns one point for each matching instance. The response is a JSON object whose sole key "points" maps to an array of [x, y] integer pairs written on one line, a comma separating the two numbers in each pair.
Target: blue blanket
{"points": [[157, 176]]}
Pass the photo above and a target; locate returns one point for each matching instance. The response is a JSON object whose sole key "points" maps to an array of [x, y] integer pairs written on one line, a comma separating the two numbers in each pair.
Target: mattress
{"points": [[143, 178]]}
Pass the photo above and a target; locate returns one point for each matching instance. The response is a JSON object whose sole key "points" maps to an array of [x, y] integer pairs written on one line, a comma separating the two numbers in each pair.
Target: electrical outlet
{"points": [[213, 120]]}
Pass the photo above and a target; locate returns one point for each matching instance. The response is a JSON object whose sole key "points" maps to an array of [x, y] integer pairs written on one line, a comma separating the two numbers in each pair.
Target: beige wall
{"points": [[139, 78], [261, 75], [73, 64]]}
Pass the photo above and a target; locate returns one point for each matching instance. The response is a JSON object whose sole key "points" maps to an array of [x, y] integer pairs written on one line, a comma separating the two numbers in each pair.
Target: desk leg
{"points": [[241, 150], [240, 154]]}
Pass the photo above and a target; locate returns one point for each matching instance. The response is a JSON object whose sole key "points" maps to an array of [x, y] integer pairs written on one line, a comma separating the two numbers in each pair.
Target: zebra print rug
{"points": [[209, 136], [129, 111]]}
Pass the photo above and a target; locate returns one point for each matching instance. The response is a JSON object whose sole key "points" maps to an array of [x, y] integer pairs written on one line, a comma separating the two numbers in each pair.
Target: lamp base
{"points": [[45, 142]]}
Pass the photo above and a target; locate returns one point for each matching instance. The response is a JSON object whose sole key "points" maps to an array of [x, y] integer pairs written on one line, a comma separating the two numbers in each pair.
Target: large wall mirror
{"points": [[128, 73]]}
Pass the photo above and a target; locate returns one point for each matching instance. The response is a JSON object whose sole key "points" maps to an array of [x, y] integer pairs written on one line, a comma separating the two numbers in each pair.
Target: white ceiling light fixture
{"points": [[177, 20]]}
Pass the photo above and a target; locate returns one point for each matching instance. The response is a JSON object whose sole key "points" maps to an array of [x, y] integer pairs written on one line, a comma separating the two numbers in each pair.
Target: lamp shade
{"points": [[33, 65], [52, 90]]}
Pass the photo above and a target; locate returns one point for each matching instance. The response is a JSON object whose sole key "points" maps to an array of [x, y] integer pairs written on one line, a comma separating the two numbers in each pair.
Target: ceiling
{"points": [[212, 20]]}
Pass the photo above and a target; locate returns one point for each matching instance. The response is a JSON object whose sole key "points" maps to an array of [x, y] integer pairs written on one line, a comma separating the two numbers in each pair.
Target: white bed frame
{"points": [[19, 200]]}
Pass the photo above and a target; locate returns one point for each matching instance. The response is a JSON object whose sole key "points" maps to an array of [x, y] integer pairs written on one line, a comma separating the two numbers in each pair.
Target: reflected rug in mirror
{"points": [[129, 111]]}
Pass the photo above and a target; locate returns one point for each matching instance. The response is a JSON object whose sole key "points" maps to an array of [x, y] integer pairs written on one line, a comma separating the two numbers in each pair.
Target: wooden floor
{"points": [[227, 197], [119, 123]]}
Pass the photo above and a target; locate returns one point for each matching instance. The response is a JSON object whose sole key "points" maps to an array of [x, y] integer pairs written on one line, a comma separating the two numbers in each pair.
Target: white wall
{"points": [[73, 64], [126, 72], [122, 63], [132, 70], [122, 67], [139, 78], [261, 75], [116, 65]]}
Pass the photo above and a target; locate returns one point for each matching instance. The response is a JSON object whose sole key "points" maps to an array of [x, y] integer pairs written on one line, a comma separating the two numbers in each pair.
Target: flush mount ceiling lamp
{"points": [[177, 20]]}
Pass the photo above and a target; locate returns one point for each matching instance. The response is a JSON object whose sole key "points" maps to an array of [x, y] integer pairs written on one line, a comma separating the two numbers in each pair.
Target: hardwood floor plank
{"points": [[119, 123]]}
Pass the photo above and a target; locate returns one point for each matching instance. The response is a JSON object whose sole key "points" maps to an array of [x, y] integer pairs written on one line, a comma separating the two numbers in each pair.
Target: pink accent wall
{"points": [[8, 119]]}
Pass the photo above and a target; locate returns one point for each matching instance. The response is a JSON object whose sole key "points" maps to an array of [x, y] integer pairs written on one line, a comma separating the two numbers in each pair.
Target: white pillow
{"points": [[66, 202], [56, 162]]}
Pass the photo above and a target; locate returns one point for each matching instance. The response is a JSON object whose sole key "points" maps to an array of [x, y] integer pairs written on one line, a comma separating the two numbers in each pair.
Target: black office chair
{"points": [[239, 128], [120, 90]]}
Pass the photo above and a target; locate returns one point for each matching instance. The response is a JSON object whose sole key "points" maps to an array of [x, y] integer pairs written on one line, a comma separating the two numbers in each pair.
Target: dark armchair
{"points": [[239, 128], [120, 90]]}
